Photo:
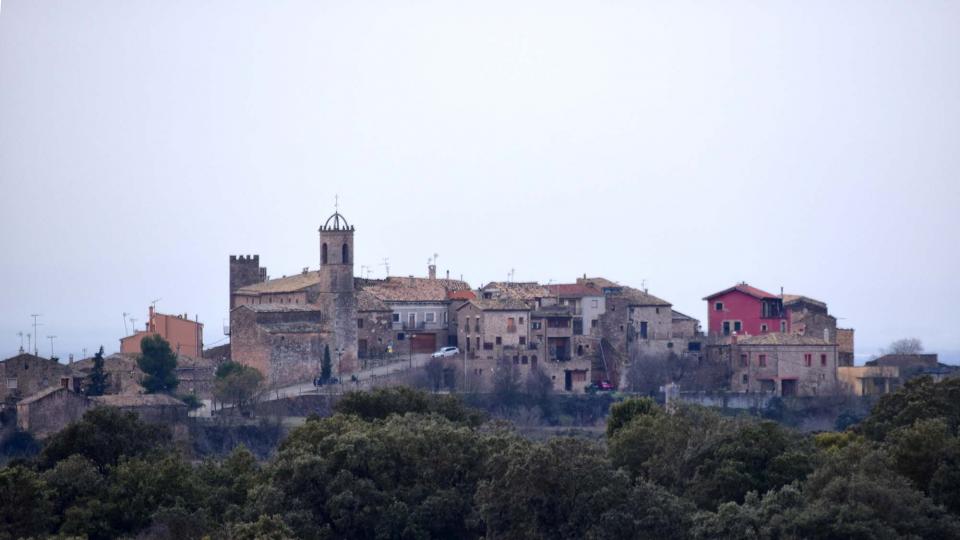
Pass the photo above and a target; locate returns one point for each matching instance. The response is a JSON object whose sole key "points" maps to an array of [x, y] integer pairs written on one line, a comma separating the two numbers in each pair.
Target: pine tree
{"points": [[97, 380], [159, 364]]}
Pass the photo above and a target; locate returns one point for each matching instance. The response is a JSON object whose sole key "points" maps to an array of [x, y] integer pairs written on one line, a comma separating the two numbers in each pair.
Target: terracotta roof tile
{"points": [[573, 290], [414, 289], [500, 304], [776, 338], [287, 284], [745, 289]]}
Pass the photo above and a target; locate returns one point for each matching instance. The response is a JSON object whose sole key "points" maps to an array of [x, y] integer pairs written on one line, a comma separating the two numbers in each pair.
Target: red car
{"points": [[604, 386]]}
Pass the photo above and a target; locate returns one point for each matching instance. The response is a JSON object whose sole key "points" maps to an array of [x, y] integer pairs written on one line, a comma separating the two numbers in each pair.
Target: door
{"points": [[423, 343], [362, 348], [567, 380], [788, 387]]}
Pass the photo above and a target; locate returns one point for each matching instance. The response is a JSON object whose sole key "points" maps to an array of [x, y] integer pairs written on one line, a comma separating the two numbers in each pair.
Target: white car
{"points": [[446, 351]]}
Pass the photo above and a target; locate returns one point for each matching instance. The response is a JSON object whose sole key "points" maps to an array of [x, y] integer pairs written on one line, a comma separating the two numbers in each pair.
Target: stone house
{"points": [[285, 343], [779, 364], [869, 380], [420, 310], [374, 327], [196, 376], [25, 374], [50, 410], [123, 374], [810, 317]]}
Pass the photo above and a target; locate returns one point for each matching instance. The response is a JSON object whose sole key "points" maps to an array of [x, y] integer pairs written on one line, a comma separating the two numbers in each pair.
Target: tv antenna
{"points": [[153, 303], [36, 350], [386, 265], [125, 332], [29, 335], [510, 275], [133, 324], [51, 338], [21, 340]]}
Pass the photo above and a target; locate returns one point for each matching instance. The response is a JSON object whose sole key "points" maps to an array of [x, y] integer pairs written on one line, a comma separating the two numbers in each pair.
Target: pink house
{"points": [[743, 309]]}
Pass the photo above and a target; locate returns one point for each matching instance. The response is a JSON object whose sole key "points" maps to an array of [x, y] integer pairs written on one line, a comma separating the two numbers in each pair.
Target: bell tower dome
{"points": [[336, 294], [336, 253]]}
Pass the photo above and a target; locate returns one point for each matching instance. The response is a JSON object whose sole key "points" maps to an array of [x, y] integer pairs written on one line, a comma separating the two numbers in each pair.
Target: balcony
{"points": [[420, 325]]}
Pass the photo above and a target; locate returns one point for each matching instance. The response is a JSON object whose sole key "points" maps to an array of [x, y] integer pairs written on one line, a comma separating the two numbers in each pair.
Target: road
{"points": [[363, 379]]}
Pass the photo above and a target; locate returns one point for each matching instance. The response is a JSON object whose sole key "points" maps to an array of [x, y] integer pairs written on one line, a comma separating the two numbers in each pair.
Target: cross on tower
{"points": [[336, 203]]}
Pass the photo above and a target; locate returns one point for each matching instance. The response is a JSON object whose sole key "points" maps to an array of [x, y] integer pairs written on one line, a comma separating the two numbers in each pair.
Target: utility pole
{"points": [[36, 350]]}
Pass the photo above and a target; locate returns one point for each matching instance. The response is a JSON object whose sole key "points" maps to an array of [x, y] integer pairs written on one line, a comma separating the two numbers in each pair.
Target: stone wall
{"points": [[51, 412], [244, 270], [25, 374]]}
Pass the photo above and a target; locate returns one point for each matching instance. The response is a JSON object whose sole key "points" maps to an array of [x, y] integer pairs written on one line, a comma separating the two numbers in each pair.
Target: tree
{"points": [[236, 383], [400, 400], [905, 346], [104, 435], [624, 412], [506, 382], [539, 386], [159, 364], [97, 380], [434, 370], [326, 366], [24, 504]]}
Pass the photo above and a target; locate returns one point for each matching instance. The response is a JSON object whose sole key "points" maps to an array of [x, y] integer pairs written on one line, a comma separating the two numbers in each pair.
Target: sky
{"points": [[685, 146]]}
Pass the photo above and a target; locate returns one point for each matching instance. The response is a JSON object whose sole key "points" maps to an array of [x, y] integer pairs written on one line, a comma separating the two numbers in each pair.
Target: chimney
{"points": [[432, 271], [448, 274], [410, 277]]}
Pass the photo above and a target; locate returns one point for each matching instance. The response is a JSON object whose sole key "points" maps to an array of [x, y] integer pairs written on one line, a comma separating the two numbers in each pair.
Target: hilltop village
{"points": [[590, 334]]}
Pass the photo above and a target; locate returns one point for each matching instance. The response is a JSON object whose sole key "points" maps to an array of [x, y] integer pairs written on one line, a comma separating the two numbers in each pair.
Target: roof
{"points": [[461, 295], [573, 290], [415, 289], [286, 284], [498, 304], [906, 360], [138, 400], [279, 308], [367, 301], [776, 338], [745, 289], [529, 290], [27, 356], [794, 298], [677, 316], [636, 297], [599, 282], [189, 362], [42, 394], [110, 362]]}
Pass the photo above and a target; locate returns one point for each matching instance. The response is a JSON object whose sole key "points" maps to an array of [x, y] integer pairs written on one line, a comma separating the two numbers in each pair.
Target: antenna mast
{"points": [[125, 332], [386, 265], [36, 350], [51, 338]]}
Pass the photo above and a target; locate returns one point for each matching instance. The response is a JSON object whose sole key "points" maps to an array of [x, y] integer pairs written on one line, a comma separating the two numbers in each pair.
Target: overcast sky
{"points": [[687, 145]]}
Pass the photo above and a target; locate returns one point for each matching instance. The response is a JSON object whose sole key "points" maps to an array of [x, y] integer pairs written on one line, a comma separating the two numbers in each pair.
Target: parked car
{"points": [[445, 352], [604, 386]]}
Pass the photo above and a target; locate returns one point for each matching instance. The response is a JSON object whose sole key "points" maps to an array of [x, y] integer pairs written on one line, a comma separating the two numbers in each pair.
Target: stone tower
{"points": [[337, 296], [245, 270]]}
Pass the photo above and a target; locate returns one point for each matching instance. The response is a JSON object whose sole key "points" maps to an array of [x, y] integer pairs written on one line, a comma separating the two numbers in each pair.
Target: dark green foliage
{"points": [[622, 413], [399, 400], [919, 399], [159, 364], [326, 365], [97, 380], [103, 436], [17, 444], [25, 508]]}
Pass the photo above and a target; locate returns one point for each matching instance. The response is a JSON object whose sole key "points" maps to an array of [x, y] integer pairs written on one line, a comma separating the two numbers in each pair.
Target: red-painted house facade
{"points": [[743, 309]]}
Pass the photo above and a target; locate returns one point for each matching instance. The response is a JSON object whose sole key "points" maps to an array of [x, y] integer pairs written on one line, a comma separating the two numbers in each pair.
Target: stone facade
{"points": [[50, 410], [245, 270], [123, 374], [25, 374], [374, 327], [780, 364], [285, 343], [869, 380]]}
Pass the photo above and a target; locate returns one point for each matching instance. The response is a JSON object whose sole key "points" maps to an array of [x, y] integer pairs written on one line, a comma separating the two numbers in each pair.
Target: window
{"points": [[401, 336], [523, 360], [737, 326], [536, 325], [763, 328], [807, 359], [499, 340], [669, 344], [578, 327], [523, 340], [396, 317], [783, 327], [745, 379], [511, 325], [487, 346], [516, 360], [359, 323], [430, 316], [658, 310], [345, 254], [726, 328], [12, 383], [762, 360], [478, 341], [593, 323], [323, 253], [743, 360], [643, 329], [521, 320], [823, 360], [594, 303], [693, 346], [718, 306], [468, 344]]}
